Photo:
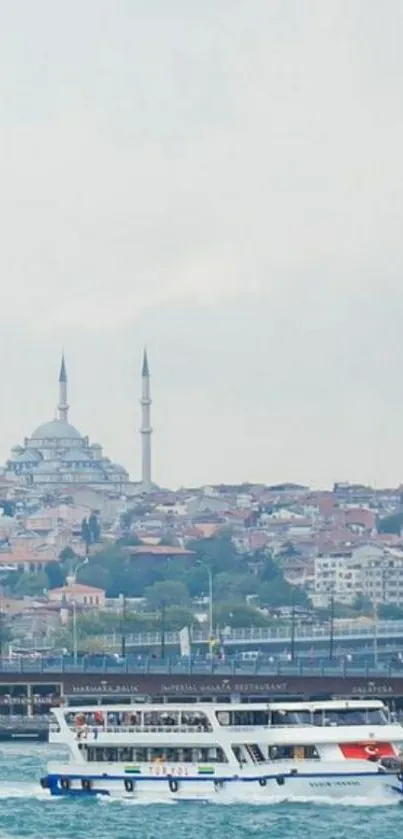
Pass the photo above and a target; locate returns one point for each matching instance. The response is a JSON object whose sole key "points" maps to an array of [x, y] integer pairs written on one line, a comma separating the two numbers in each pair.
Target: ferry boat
{"points": [[334, 748]]}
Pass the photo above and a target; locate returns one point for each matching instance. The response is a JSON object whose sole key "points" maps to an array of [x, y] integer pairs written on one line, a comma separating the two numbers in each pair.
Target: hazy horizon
{"points": [[224, 185]]}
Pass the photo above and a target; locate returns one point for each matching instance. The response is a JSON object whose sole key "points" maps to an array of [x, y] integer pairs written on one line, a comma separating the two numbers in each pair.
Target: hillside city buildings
{"points": [[326, 542]]}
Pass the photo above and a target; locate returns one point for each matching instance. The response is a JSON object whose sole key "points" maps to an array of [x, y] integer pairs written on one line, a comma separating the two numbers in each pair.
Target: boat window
{"points": [[195, 719], [125, 754], [350, 716], [284, 718], [117, 718], [293, 752], [158, 719], [242, 718]]}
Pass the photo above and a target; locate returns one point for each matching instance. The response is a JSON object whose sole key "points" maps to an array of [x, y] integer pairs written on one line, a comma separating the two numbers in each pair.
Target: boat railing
{"points": [[99, 730], [165, 729]]}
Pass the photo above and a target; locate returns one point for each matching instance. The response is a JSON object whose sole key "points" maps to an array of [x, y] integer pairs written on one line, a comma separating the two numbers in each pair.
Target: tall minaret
{"points": [[63, 408], [146, 429]]}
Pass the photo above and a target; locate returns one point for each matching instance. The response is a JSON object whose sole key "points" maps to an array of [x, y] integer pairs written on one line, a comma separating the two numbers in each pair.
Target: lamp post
{"points": [[75, 640], [71, 578], [384, 572], [123, 626], [1, 632], [210, 609], [293, 625], [163, 630], [331, 628]]}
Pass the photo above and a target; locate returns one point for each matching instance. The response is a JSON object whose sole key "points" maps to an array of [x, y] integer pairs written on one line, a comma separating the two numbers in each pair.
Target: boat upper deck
{"points": [[201, 718]]}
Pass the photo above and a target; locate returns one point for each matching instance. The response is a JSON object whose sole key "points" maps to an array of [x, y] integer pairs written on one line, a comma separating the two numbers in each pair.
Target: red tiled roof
{"points": [[157, 550], [365, 518], [77, 588]]}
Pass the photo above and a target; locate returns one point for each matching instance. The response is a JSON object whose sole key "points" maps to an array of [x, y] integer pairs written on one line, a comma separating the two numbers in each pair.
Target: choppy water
{"points": [[26, 811]]}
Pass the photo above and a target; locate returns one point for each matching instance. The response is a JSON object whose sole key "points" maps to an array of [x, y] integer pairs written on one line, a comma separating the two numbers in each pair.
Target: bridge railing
{"points": [[174, 665], [256, 635]]}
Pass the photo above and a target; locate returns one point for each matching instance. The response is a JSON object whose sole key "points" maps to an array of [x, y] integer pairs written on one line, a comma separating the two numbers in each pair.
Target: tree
{"points": [[238, 615], [270, 570], [363, 605], [29, 585], [67, 555], [94, 528], [218, 552], [55, 575], [228, 586], [86, 534], [166, 593], [176, 617], [95, 575], [391, 524]]}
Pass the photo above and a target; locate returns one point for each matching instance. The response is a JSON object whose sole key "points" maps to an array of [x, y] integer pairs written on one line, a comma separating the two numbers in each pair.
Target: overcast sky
{"points": [[221, 180]]}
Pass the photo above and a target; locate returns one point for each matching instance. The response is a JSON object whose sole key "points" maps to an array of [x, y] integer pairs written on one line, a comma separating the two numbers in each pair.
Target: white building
{"points": [[370, 570], [339, 575], [383, 578]]}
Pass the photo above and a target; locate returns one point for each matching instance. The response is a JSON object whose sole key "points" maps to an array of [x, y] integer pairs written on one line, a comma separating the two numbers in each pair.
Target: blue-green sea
{"points": [[26, 811]]}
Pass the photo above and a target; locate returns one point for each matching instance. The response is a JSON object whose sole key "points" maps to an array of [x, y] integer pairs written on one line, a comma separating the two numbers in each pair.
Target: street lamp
{"points": [[71, 578], [210, 611], [293, 624], [331, 628], [123, 626], [384, 572], [163, 630], [75, 640]]}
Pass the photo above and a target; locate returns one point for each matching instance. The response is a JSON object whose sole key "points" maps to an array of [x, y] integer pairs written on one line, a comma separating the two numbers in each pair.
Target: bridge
{"points": [[349, 634]]}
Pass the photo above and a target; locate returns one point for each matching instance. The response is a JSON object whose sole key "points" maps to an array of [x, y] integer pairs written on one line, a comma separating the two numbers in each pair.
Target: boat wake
{"points": [[382, 800], [30, 790], [24, 789]]}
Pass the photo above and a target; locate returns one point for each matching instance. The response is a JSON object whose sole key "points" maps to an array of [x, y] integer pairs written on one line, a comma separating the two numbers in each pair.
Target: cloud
{"points": [[224, 182]]}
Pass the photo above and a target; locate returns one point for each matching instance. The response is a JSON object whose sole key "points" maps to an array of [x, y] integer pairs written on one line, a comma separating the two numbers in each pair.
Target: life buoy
{"points": [[129, 785], [65, 783], [173, 785], [280, 780], [86, 783], [262, 782]]}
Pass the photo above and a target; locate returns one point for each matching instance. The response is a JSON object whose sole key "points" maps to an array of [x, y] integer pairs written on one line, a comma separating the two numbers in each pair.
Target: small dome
{"points": [[29, 456], [118, 468], [58, 429]]}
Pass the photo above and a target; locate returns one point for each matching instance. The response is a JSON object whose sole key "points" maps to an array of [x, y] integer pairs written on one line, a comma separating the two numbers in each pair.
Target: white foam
{"points": [[25, 789]]}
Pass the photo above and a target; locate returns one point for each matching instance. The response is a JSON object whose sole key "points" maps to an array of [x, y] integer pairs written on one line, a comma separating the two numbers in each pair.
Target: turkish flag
{"points": [[367, 751]]}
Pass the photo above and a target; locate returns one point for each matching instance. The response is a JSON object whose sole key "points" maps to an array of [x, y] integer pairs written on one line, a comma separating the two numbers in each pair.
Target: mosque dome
{"points": [[29, 456], [56, 452], [57, 428]]}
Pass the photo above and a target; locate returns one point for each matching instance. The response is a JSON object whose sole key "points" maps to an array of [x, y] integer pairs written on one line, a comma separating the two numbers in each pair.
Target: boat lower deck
{"points": [[358, 779]]}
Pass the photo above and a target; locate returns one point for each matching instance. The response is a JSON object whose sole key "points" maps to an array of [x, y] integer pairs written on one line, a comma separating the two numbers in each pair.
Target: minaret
{"points": [[63, 408], [146, 429]]}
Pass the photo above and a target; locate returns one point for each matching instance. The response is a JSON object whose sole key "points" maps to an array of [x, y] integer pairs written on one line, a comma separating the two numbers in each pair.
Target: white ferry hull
{"points": [[267, 787]]}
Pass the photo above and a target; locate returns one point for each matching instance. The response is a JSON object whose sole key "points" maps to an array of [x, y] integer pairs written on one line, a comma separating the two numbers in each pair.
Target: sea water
{"points": [[27, 811]]}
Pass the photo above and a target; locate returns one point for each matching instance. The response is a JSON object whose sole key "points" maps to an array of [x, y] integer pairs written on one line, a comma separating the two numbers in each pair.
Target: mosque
{"points": [[56, 454]]}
